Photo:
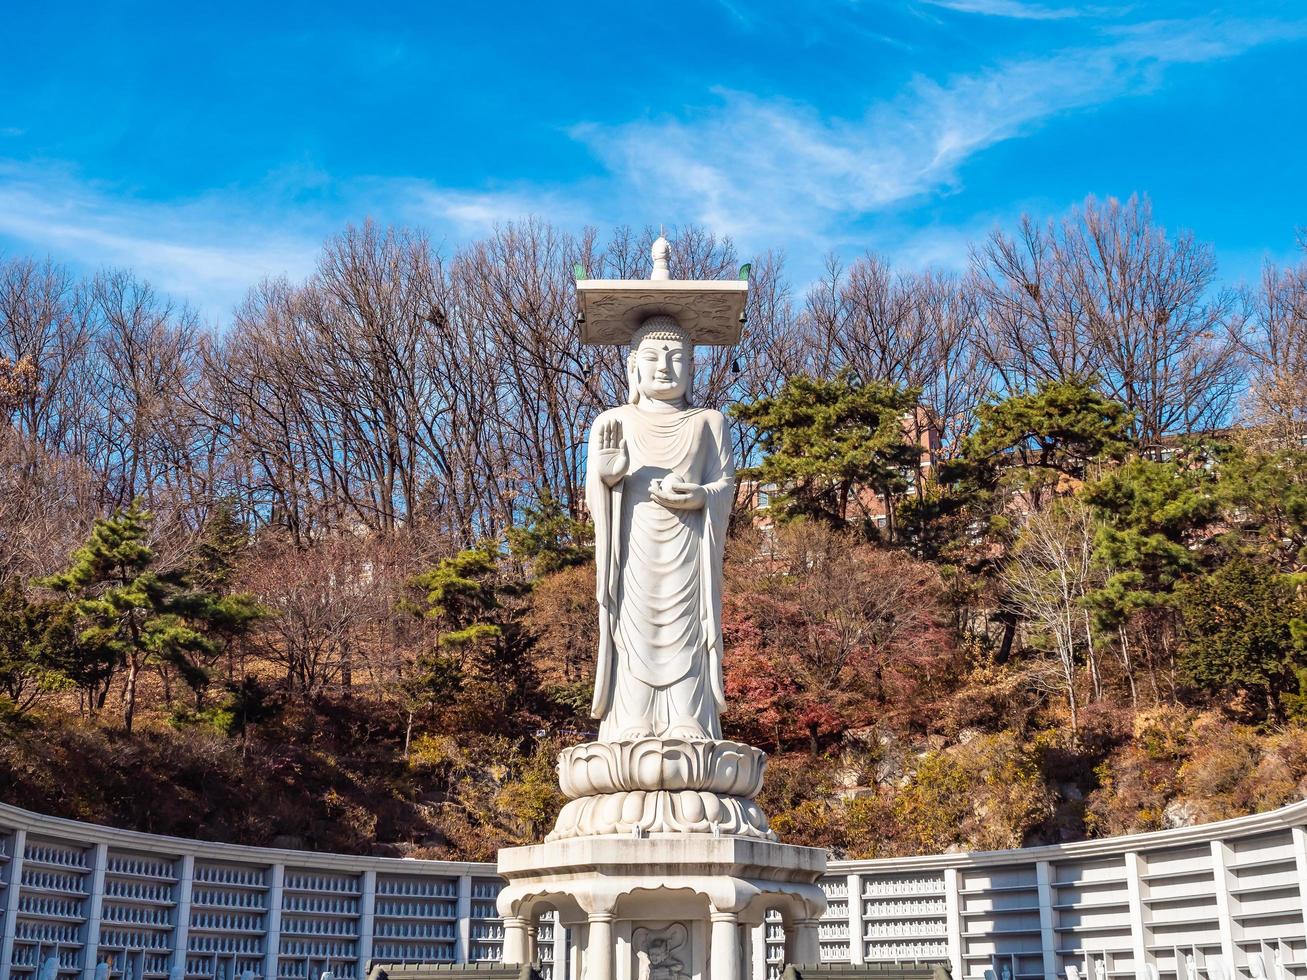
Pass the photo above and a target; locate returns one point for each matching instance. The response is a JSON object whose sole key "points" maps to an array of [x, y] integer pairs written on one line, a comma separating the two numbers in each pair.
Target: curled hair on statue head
{"points": [[658, 327]]}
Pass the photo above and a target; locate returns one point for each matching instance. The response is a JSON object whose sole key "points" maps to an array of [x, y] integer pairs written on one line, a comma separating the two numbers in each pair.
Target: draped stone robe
{"points": [[659, 574]]}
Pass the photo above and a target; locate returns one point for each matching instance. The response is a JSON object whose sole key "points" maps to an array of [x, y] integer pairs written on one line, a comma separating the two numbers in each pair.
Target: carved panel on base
{"points": [[661, 954]]}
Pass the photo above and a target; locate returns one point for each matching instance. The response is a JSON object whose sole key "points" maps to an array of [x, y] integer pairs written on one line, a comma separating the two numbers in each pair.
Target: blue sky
{"points": [[207, 145]]}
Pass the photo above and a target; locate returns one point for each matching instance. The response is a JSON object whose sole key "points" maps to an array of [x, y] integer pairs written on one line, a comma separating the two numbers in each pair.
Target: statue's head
{"points": [[661, 363]]}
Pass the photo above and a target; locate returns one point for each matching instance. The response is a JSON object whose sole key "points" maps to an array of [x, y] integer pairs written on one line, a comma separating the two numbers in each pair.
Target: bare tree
{"points": [[1275, 342], [146, 359], [1107, 295], [1047, 579], [911, 330]]}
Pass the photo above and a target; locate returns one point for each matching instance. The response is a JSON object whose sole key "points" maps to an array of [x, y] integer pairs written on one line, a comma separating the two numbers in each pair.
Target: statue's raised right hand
{"points": [[613, 458]]}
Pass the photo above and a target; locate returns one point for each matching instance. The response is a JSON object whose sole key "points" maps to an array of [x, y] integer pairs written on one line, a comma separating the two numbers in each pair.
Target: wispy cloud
{"points": [[768, 168], [208, 251], [211, 249], [473, 212], [1006, 8]]}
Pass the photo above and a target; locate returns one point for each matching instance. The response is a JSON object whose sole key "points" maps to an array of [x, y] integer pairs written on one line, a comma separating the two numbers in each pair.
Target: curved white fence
{"points": [[1223, 900]]}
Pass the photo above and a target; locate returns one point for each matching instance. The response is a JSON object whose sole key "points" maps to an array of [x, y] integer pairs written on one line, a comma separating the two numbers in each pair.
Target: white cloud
{"points": [[211, 249], [770, 170], [1006, 8], [473, 212], [208, 251]]}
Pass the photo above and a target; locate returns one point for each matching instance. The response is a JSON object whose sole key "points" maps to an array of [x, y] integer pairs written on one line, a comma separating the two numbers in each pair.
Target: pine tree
{"points": [[133, 615], [34, 657], [1028, 442], [824, 440], [549, 539], [472, 646], [1149, 514], [461, 597], [222, 543], [1239, 633]]}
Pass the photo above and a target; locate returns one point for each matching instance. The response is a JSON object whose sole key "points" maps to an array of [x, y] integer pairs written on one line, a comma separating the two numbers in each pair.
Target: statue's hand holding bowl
{"points": [[613, 460], [677, 494]]}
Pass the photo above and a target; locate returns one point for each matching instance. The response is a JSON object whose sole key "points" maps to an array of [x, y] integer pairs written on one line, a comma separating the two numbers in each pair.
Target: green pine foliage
{"points": [[1150, 513], [1040, 443], [36, 655], [1060, 428], [478, 657], [823, 440], [548, 539], [1238, 623], [132, 614], [461, 596]]}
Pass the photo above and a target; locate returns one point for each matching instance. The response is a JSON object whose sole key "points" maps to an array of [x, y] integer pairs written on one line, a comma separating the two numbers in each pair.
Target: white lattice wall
{"points": [[1227, 898]]}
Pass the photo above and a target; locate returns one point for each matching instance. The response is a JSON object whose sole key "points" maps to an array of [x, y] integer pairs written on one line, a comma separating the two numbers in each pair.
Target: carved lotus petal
{"points": [[659, 812], [712, 808], [678, 770], [633, 808], [723, 767], [691, 806], [649, 767]]}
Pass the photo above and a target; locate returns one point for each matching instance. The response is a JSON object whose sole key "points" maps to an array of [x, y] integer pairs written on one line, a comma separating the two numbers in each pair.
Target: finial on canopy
{"points": [[659, 253]]}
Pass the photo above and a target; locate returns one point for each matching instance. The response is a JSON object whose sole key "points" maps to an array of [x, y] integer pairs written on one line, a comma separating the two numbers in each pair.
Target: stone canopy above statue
{"points": [[711, 311]]}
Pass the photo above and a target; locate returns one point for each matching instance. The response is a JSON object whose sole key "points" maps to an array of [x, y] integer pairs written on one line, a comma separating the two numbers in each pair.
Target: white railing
{"points": [[1218, 901], [1221, 901]]}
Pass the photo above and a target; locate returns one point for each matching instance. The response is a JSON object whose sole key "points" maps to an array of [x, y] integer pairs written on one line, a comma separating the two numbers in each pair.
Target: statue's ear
{"points": [[632, 379]]}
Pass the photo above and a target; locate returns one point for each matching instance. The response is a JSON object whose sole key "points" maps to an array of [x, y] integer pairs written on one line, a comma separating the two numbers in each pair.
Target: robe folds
{"points": [[659, 576]]}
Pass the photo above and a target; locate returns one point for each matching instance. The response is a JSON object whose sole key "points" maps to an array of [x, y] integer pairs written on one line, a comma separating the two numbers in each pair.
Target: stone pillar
{"points": [[516, 952], [801, 945], [272, 950], [1047, 932], [15, 884], [95, 909], [724, 947], [463, 930], [953, 917], [181, 929], [1222, 854], [599, 948], [1300, 857], [560, 948], [1135, 891], [532, 941], [857, 948], [367, 920], [758, 951]]}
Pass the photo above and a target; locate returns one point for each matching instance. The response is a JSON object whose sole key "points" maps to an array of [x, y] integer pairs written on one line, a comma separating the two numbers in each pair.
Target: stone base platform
{"points": [[676, 906]]}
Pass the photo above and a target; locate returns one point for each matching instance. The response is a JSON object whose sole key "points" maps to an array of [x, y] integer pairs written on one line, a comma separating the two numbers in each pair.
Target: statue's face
{"points": [[662, 368], [657, 951]]}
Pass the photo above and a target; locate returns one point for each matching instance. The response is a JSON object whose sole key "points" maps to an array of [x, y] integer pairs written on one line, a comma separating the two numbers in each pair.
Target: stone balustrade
{"points": [[1228, 897]]}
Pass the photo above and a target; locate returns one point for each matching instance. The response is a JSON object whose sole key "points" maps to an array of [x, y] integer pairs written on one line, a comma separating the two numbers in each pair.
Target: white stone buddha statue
{"points": [[659, 485]]}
